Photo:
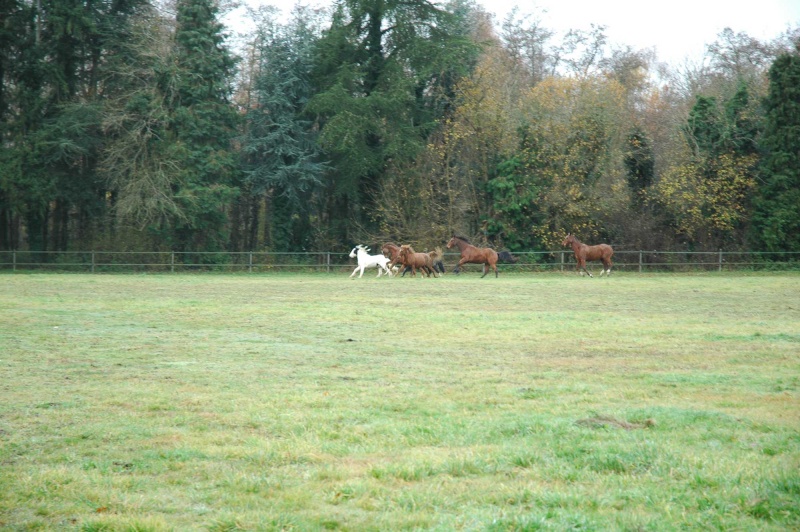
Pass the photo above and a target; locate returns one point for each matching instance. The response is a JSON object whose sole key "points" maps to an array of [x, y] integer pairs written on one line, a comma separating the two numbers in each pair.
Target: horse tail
{"points": [[506, 256], [437, 255]]}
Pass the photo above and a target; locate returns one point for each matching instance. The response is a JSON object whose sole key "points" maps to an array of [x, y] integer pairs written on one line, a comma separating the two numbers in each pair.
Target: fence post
{"points": [[720, 260], [562, 261], [640, 261], [172, 263], [14, 260], [92, 261], [250, 265], [328, 262]]}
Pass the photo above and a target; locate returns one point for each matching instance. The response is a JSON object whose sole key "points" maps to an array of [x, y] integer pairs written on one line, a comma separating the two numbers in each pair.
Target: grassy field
{"points": [[307, 402]]}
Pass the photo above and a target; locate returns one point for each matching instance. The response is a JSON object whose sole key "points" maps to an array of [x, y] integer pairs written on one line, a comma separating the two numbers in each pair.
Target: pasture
{"points": [[315, 401]]}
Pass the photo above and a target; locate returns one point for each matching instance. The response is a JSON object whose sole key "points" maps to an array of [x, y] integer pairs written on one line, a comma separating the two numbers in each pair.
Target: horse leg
{"points": [[607, 265], [582, 268], [457, 269], [354, 271], [490, 267]]}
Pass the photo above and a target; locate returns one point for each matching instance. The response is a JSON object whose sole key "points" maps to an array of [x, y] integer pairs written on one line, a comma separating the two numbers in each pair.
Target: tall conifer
{"points": [[776, 221], [203, 125]]}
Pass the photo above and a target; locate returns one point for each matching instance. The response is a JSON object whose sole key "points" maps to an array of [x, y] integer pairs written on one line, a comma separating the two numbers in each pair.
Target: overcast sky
{"points": [[677, 29]]}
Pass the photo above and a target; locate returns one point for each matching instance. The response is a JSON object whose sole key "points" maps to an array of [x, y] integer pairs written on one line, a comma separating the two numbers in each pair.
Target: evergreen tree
{"points": [[383, 69], [282, 163], [202, 125], [20, 105], [52, 117], [776, 220], [139, 162]]}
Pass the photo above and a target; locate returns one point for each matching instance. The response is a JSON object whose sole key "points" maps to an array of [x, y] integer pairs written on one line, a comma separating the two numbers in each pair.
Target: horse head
{"points": [[357, 250], [570, 238]]}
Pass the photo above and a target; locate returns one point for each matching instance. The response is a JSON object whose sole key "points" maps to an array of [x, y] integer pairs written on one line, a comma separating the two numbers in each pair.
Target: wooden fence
{"points": [[330, 262]]}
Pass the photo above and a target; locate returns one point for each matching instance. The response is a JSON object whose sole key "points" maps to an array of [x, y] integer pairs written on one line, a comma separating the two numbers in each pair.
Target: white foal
{"points": [[365, 260]]}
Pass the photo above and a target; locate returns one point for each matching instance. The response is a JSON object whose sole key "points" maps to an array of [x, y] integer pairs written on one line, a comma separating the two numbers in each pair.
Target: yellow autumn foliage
{"points": [[709, 194]]}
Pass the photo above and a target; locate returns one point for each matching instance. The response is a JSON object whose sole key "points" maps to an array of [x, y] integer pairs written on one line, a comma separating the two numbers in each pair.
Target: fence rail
{"points": [[328, 261]]}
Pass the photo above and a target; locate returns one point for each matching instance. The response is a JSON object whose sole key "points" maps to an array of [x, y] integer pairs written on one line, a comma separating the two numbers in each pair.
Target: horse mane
{"points": [[464, 239]]}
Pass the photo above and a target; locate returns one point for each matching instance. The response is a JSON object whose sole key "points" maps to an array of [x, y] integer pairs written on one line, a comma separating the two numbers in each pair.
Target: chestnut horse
{"points": [[414, 260], [392, 251], [470, 253], [601, 252]]}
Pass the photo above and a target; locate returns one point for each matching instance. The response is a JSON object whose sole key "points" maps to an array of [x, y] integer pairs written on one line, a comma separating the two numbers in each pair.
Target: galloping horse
{"points": [[365, 260], [392, 250], [414, 260], [601, 252], [470, 253]]}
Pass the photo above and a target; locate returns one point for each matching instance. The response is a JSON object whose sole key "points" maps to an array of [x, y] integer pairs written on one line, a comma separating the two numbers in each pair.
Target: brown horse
{"points": [[601, 252], [392, 250], [470, 253], [414, 260]]}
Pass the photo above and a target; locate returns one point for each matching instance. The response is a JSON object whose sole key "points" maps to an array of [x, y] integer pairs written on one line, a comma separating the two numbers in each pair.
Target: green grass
{"points": [[307, 402]]}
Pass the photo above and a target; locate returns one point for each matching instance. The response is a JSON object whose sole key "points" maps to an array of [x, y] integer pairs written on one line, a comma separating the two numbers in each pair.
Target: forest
{"points": [[132, 125]]}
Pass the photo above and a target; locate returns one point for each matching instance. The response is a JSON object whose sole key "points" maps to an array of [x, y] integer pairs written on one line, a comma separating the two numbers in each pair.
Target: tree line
{"points": [[131, 125]]}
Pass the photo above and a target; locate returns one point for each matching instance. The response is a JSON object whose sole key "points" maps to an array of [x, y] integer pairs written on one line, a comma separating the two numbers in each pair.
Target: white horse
{"points": [[365, 260]]}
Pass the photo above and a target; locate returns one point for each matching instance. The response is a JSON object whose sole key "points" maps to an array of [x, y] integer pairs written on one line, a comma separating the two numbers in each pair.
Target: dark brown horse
{"points": [[414, 260], [470, 253], [601, 252]]}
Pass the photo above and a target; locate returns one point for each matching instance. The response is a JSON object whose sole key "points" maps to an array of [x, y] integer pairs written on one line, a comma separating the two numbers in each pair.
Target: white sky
{"points": [[677, 29]]}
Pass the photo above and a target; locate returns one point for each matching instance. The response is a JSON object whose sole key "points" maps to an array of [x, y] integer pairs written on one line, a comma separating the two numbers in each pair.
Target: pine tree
{"points": [[203, 124], [56, 57], [776, 220], [383, 68], [282, 160]]}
